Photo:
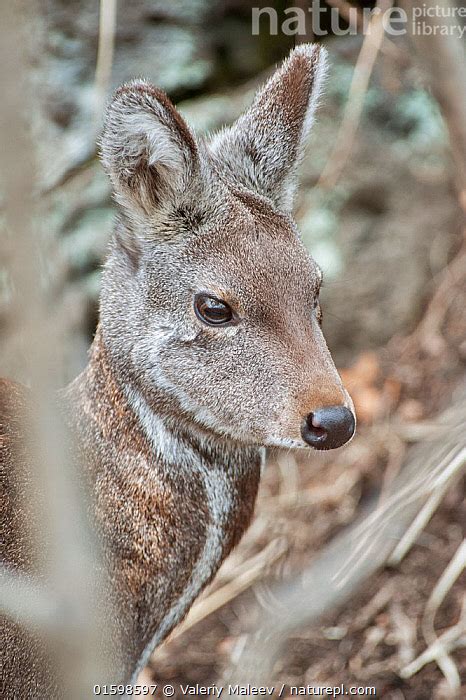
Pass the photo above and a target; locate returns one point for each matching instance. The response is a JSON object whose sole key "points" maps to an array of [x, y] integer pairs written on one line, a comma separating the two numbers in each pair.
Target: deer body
{"points": [[209, 349]]}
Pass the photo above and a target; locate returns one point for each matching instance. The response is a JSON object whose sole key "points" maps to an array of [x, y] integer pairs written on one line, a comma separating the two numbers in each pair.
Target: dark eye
{"points": [[212, 311]]}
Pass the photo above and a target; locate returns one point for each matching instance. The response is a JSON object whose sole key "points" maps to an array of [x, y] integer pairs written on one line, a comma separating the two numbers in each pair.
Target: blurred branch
{"points": [[24, 601], [442, 57], [64, 546], [103, 72], [357, 92], [105, 51], [348, 11], [455, 464]]}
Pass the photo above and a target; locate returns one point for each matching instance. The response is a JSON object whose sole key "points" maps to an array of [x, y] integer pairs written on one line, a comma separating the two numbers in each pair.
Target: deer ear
{"points": [[263, 148], [146, 147]]}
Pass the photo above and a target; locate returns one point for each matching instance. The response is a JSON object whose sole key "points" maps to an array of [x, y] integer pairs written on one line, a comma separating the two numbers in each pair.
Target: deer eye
{"points": [[212, 311]]}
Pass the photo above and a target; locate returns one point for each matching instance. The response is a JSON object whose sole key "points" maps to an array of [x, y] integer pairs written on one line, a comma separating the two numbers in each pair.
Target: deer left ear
{"points": [[263, 148], [147, 149]]}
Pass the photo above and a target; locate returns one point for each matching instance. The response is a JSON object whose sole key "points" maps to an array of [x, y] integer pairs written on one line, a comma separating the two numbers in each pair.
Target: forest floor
{"points": [[305, 501]]}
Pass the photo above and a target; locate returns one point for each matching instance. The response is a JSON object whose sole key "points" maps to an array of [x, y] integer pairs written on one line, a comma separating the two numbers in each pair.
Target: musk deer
{"points": [[208, 349]]}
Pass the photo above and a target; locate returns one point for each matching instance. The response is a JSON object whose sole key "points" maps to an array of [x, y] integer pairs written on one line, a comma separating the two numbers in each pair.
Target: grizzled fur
{"points": [[171, 416]]}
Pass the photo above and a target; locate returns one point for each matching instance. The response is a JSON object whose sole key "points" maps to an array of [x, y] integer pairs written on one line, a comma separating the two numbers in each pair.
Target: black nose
{"points": [[328, 428]]}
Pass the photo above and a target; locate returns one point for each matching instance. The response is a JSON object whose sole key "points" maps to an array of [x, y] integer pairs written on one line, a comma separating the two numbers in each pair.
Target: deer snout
{"points": [[329, 427]]}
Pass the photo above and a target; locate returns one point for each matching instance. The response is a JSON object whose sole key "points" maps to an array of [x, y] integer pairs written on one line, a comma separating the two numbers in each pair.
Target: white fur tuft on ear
{"points": [[143, 136], [263, 148], [146, 147]]}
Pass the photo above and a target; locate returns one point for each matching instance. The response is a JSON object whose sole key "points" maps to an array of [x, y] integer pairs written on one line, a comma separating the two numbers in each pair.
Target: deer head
{"points": [[210, 301]]}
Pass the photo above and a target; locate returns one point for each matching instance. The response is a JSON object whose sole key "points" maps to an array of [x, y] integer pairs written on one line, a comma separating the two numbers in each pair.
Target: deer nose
{"points": [[328, 427]]}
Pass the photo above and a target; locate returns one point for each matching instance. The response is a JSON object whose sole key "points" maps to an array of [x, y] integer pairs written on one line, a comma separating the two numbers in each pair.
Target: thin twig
{"points": [[355, 103], [453, 638], [428, 333], [454, 569], [105, 51], [442, 56], [444, 661]]}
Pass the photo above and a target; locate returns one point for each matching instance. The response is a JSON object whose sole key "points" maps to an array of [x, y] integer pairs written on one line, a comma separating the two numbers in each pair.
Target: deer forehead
{"points": [[243, 263], [257, 258]]}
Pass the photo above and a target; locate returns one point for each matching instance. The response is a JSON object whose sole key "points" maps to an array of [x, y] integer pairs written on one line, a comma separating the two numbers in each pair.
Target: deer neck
{"points": [[169, 504]]}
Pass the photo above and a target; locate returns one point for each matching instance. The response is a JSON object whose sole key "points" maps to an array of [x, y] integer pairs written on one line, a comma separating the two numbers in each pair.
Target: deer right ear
{"points": [[146, 148], [265, 145]]}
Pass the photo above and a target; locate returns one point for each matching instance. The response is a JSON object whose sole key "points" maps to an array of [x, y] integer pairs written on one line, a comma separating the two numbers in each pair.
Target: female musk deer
{"points": [[208, 349]]}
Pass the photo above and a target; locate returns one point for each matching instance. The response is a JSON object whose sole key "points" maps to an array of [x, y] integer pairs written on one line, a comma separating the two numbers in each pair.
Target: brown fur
{"points": [[14, 474], [152, 521]]}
